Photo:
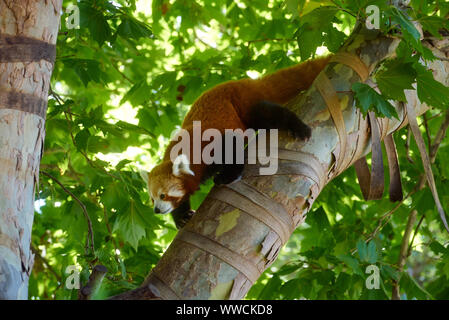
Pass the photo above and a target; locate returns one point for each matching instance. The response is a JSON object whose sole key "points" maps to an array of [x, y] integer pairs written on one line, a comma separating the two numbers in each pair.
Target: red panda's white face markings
{"points": [[166, 185], [167, 196]]}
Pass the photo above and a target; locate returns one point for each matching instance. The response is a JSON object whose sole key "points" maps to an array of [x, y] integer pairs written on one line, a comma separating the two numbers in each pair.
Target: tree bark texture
{"points": [[239, 230], [28, 33]]}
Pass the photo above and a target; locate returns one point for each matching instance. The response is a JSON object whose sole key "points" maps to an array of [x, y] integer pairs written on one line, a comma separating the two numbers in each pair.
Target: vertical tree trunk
{"points": [[28, 32]]}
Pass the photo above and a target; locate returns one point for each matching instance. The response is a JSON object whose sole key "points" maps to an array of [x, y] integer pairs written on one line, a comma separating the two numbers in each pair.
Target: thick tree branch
{"points": [[93, 284], [239, 229]]}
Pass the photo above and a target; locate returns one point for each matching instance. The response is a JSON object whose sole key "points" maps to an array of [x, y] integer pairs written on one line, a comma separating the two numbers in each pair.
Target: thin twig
{"points": [[405, 244], [407, 146], [427, 130], [344, 10], [386, 217], [83, 207], [46, 263], [403, 251], [439, 138], [409, 251], [121, 73]]}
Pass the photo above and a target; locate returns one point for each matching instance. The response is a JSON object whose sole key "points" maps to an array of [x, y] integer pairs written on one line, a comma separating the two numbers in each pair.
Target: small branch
{"points": [[121, 73], [439, 138], [202, 41], [386, 217], [409, 251], [83, 207], [407, 146], [46, 263], [89, 161], [406, 244], [344, 10], [93, 284], [426, 126], [437, 115], [55, 95], [403, 251]]}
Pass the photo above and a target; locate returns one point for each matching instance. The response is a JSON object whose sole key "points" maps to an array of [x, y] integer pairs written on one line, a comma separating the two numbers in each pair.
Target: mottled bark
{"points": [[238, 231], [28, 32]]}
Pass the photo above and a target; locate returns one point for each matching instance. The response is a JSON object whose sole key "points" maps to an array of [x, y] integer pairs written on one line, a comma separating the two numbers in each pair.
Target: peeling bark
{"points": [[251, 226], [24, 85]]}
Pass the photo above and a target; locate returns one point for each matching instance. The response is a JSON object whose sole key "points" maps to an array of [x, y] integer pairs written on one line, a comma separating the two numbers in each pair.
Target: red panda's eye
{"points": [[162, 196]]}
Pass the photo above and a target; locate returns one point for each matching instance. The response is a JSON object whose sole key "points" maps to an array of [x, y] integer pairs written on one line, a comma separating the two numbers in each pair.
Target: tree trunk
{"points": [[28, 32], [239, 230]]}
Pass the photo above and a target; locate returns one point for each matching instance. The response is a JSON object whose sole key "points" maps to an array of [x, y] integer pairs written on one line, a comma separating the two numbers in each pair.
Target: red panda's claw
{"points": [[182, 221], [302, 131]]}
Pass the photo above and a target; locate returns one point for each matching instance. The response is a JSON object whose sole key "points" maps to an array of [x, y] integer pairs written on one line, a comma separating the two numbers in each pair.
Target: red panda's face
{"points": [[166, 185]]}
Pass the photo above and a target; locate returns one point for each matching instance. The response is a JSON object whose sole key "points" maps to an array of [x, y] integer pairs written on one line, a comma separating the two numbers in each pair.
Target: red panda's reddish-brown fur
{"points": [[228, 106]]}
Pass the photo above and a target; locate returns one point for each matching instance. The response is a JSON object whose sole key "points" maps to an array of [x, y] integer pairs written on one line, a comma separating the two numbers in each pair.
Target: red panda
{"points": [[240, 104]]}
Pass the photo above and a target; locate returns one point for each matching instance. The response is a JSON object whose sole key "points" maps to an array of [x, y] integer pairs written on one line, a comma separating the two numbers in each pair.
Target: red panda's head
{"points": [[168, 184]]}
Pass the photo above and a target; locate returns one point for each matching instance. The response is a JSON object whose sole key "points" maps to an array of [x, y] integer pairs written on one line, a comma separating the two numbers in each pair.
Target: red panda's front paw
{"points": [[229, 173], [181, 220], [300, 130]]}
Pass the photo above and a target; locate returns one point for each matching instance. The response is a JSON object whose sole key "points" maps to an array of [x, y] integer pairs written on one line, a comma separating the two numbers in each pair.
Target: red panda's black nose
{"points": [[157, 210]]}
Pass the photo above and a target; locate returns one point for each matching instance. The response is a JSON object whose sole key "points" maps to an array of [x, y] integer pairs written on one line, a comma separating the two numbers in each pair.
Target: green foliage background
{"points": [[123, 82]]}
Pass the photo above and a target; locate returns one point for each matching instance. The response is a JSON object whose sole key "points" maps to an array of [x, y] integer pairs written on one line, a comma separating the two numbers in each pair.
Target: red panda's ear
{"points": [[144, 175], [181, 165]]}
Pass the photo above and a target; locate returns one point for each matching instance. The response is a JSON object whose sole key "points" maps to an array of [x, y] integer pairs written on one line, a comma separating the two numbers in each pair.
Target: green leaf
{"points": [[362, 250], [271, 289], [312, 27], [429, 90], [319, 220], [81, 139], [292, 6], [370, 100], [412, 288], [434, 24], [438, 248], [94, 19], [445, 269], [371, 253], [86, 69], [406, 24], [309, 38], [389, 272], [394, 78], [289, 268], [352, 263], [373, 294], [131, 28], [132, 128], [291, 289], [139, 94], [409, 32], [343, 282], [333, 38], [130, 226]]}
